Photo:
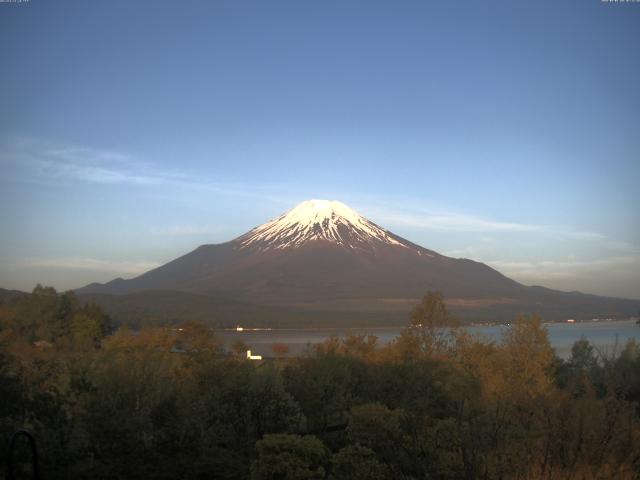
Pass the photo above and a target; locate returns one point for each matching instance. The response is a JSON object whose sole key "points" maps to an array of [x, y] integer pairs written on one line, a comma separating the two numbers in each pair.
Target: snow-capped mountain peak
{"points": [[312, 220]]}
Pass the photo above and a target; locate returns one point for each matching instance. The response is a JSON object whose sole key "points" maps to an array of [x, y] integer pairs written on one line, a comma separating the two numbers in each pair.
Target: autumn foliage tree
{"points": [[437, 402], [280, 349]]}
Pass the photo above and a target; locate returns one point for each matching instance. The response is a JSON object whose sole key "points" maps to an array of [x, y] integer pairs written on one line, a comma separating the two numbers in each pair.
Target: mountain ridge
{"points": [[323, 253]]}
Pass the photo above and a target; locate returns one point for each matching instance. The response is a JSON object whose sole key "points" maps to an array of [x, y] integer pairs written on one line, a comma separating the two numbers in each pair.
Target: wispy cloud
{"points": [[459, 222], [448, 221], [42, 161], [554, 269], [187, 230], [96, 174], [93, 264], [97, 166], [48, 162]]}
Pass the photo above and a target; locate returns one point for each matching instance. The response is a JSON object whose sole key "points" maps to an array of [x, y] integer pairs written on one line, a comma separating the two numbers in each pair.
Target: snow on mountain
{"points": [[314, 220]]}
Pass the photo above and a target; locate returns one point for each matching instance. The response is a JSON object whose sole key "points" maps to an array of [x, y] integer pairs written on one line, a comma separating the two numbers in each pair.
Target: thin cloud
{"points": [[95, 174], [187, 230], [443, 220], [579, 234], [451, 222], [84, 154], [93, 264], [549, 269], [96, 166], [45, 162]]}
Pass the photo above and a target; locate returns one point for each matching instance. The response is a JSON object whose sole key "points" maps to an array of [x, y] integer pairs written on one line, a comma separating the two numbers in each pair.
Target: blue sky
{"points": [[506, 132]]}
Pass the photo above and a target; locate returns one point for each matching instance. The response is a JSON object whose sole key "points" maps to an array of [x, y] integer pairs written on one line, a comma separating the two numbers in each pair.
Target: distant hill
{"points": [[323, 263], [9, 295]]}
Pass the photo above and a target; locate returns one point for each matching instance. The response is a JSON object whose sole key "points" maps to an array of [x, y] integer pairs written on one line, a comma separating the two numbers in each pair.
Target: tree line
{"points": [[436, 403]]}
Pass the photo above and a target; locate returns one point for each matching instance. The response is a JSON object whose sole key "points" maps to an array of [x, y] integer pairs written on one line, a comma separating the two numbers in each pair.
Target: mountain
{"points": [[7, 296], [322, 256]]}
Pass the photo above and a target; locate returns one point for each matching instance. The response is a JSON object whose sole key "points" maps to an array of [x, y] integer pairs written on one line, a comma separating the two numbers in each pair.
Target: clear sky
{"points": [[507, 132]]}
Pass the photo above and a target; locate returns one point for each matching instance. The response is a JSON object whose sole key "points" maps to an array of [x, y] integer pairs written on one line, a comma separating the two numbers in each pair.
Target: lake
{"points": [[604, 335]]}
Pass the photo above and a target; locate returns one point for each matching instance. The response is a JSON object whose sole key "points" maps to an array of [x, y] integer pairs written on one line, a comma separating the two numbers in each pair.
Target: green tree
{"points": [[62, 322], [34, 316], [380, 429], [290, 457], [86, 331], [12, 393], [583, 356], [581, 372], [129, 406], [355, 462], [626, 371], [89, 326], [325, 387]]}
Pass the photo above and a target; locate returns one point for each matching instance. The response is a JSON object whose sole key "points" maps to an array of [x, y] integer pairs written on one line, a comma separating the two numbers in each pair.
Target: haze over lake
{"points": [[604, 335]]}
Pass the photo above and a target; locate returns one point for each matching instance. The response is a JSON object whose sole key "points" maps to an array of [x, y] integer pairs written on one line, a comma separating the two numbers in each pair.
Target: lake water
{"points": [[605, 335]]}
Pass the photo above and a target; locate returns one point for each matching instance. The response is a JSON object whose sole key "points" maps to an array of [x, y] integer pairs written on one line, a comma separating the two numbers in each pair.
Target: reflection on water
{"points": [[604, 335]]}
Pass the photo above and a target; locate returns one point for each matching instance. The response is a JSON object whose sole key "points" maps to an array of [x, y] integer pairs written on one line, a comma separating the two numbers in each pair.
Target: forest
{"points": [[437, 403]]}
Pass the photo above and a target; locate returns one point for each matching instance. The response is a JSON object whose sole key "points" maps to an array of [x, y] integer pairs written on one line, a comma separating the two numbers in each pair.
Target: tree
{"points": [[42, 291], [196, 340], [89, 325], [67, 305], [353, 345], [34, 316], [528, 358], [332, 345], [429, 333], [324, 388], [239, 348], [378, 428], [627, 372], [431, 312], [290, 457], [355, 462], [280, 349], [130, 405], [583, 355], [12, 393], [360, 345], [86, 331]]}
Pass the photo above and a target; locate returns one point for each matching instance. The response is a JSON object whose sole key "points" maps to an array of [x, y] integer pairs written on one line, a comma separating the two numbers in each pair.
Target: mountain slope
{"points": [[322, 255]]}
